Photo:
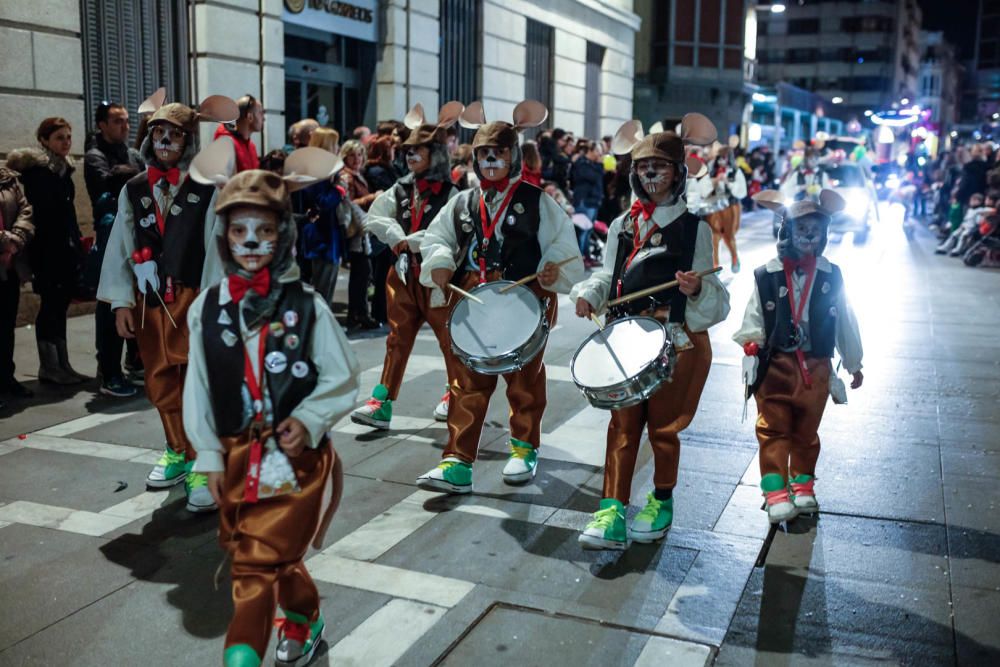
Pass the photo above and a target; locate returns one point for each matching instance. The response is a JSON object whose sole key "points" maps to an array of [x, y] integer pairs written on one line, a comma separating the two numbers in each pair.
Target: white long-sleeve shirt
{"points": [[117, 285], [710, 307], [848, 338], [334, 396], [556, 238], [816, 179], [697, 191], [381, 221], [725, 188]]}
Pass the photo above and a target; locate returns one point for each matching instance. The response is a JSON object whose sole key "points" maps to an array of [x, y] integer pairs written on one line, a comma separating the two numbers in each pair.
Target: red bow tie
{"points": [[807, 264], [239, 286], [173, 175], [499, 186], [423, 185], [644, 207]]}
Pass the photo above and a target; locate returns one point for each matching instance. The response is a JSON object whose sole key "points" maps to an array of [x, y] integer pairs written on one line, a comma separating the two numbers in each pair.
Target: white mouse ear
{"points": [[697, 129], [215, 164], [771, 199], [627, 136], [306, 166], [831, 201], [218, 109], [529, 113], [656, 127], [473, 117], [450, 113], [154, 101], [414, 118]]}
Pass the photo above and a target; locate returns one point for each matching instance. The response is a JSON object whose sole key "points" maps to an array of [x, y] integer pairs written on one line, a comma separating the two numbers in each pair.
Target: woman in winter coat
{"points": [[381, 175], [361, 196], [322, 242], [16, 230], [56, 254], [587, 180]]}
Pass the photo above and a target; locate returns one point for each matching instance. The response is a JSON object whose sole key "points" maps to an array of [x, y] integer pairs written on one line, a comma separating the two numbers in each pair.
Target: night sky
{"points": [[957, 18]]}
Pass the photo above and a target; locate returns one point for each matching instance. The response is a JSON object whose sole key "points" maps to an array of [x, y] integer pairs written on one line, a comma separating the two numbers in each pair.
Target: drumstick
{"points": [[597, 321], [467, 295], [142, 323], [528, 279], [169, 316], [657, 288]]}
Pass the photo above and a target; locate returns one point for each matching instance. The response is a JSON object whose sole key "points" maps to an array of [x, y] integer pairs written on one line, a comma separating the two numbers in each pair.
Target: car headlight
{"points": [[857, 202]]}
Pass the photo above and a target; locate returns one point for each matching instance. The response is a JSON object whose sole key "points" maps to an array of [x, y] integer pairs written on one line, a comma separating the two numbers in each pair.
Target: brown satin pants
{"points": [[164, 352], [408, 307], [665, 414], [788, 415], [471, 392], [725, 224], [267, 540]]}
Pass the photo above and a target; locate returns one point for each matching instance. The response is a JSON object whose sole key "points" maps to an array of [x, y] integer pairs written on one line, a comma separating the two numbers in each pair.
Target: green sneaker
{"points": [[240, 655], [298, 639], [522, 464], [168, 471], [199, 498], [451, 476], [377, 412], [653, 522], [607, 530]]}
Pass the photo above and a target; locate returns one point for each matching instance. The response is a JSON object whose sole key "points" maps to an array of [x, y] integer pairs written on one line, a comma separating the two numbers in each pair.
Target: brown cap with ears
{"points": [[694, 129], [529, 113], [214, 108], [254, 187], [829, 203], [422, 132]]}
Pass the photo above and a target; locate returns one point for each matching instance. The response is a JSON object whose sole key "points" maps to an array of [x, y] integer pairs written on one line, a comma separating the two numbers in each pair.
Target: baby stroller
{"points": [[985, 252]]}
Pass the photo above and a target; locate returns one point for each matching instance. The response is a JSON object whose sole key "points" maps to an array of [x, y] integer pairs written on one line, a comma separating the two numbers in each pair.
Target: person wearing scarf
{"points": [[154, 265], [399, 218], [529, 232], [656, 241], [729, 187], [270, 371], [797, 316]]}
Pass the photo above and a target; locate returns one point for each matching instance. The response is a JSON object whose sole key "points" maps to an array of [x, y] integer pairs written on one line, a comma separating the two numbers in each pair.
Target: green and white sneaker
{"points": [[377, 412], [171, 469], [653, 522], [451, 476], [240, 655], [607, 530], [199, 498], [522, 464], [298, 640]]}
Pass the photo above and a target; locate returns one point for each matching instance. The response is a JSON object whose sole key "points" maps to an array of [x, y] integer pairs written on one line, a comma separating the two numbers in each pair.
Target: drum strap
{"points": [[489, 226], [255, 383], [637, 243], [800, 356]]}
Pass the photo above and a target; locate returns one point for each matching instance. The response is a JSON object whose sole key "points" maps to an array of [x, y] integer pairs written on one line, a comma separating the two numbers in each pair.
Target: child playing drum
{"points": [[658, 240], [797, 315], [502, 229]]}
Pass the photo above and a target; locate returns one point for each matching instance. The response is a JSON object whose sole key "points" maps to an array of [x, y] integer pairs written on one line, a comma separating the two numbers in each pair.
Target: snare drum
{"points": [[501, 335], [624, 364]]}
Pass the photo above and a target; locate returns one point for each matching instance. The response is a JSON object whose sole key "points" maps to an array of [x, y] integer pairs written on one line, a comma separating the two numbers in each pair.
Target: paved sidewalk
{"points": [[902, 566]]}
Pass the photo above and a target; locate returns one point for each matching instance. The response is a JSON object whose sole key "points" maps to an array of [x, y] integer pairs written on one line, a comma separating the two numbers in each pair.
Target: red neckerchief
{"points": [[637, 241], [260, 283], [646, 208], [255, 383], [154, 176], [417, 214], [499, 186], [490, 225], [808, 265]]}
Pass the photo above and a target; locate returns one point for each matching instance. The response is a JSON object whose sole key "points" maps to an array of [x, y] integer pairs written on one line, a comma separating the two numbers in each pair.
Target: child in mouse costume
{"points": [[729, 187], [467, 245], [798, 314], [658, 240], [270, 372], [160, 254], [399, 218]]}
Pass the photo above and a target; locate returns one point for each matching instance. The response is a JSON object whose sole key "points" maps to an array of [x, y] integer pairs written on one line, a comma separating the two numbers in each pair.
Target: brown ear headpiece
{"points": [[215, 165], [697, 129], [423, 132], [213, 109], [829, 203], [627, 136], [528, 113]]}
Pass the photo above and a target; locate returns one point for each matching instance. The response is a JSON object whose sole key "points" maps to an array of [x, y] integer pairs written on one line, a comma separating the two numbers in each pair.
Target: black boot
{"points": [[64, 362]]}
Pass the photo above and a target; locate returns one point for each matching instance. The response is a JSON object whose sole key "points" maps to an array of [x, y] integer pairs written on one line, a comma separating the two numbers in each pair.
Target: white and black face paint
{"points": [[494, 163], [168, 143], [807, 235], [418, 159], [655, 175], [252, 235]]}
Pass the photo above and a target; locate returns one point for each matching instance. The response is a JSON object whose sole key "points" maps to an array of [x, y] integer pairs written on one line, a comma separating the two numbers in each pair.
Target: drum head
{"points": [[635, 343], [505, 323]]}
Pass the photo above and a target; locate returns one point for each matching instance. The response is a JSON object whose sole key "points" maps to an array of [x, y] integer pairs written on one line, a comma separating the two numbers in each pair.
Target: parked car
{"points": [[851, 182]]}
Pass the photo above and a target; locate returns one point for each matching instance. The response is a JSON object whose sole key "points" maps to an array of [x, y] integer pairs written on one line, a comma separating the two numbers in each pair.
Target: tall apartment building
{"points": [[985, 70], [866, 53], [693, 55], [939, 81]]}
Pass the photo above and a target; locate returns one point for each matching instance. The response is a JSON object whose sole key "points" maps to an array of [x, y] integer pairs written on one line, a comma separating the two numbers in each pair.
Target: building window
{"points": [[803, 26], [458, 65], [592, 111], [802, 55], [538, 66], [125, 61], [866, 24]]}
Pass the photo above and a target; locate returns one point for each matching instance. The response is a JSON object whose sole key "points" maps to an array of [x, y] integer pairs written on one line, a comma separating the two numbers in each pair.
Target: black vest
{"points": [[673, 251], [180, 251], [226, 363], [403, 192], [519, 254], [823, 313]]}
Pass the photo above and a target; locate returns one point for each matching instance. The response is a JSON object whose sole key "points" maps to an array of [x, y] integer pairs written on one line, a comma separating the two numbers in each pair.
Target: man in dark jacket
{"points": [[108, 164]]}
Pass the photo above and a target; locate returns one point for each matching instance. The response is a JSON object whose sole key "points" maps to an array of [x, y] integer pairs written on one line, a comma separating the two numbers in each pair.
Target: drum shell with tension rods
{"points": [[644, 352], [503, 335]]}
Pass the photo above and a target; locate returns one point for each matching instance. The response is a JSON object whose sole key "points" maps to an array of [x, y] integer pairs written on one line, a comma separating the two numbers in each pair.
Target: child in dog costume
{"points": [[658, 240], [467, 244], [270, 372], [729, 187], [798, 314], [160, 253], [806, 180], [399, 218]]}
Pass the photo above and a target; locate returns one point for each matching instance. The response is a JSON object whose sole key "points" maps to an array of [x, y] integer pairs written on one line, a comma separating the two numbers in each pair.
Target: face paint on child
{"points": [[494, 162], [418, 159], [656, 175], [168, 143], [252, 234], [807, 235]]}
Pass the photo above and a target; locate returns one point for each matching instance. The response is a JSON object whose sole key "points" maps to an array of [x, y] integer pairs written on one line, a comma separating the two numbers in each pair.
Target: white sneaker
{"points": [[199, 498], [522, 464], [806, 504], [298, 652], [450, 476], [441, 410]]}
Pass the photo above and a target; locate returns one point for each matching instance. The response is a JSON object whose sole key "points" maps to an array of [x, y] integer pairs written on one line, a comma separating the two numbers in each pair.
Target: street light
{"points": [[777, 8], [905, 100], [837, 100], [996, 116], [868, 112]]}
